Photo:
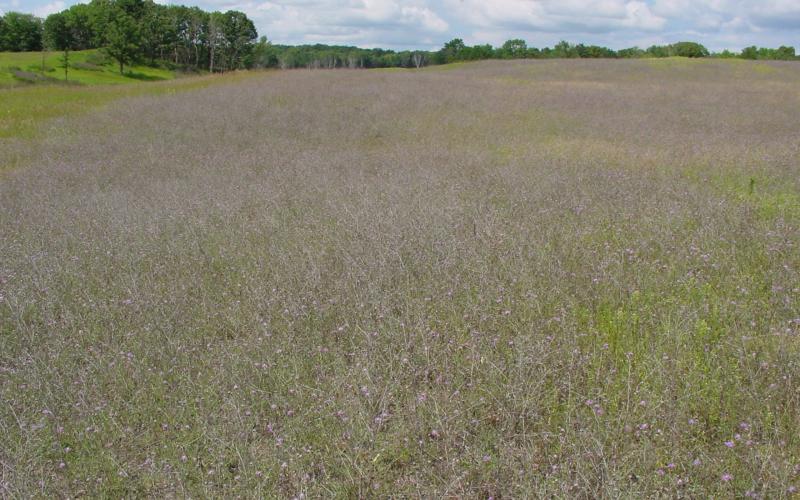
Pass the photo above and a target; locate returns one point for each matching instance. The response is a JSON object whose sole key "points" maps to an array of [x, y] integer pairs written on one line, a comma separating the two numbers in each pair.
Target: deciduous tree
{"points": [[123, 39]]}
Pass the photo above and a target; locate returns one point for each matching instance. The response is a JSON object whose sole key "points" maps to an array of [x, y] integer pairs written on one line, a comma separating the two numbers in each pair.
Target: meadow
{"points": [[506, 279], [90, 67]]}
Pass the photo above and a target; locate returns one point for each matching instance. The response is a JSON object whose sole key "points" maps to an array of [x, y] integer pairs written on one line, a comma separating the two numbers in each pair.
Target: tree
{"points": [[564, 49], [134, 8], [452, 50], [21, 33], [59, 34], [594, 51], [631, 53], [477, 52], [688, 49], [264, 54], [750, 52], [785, 53], [418, 58], [216, 38], [239, 33], [658, 51], [123, 39], [514, 48], [83, 28], [157, 32]]}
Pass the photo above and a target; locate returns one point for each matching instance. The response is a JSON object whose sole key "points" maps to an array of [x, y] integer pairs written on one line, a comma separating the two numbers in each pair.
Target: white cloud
{"points": [[735, 14], [362, 22], [562, 16], [50, 8]]}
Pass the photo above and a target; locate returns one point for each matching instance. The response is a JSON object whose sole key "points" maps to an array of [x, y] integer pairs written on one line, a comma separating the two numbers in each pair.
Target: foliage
{"points": [[513, 49], [123, 38], [781, 53], [688, 49], [20, 32], [141, 30], [60, 34]]}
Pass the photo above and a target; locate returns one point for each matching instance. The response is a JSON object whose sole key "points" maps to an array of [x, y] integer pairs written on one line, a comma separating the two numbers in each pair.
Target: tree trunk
{"points": [[120, 68]]}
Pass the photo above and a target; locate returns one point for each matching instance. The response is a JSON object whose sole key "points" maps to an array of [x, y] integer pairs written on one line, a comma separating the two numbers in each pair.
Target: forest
{"points": [[180, 37]]}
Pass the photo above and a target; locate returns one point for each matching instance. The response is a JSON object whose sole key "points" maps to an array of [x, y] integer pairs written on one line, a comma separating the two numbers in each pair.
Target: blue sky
{"points": [[719, 24]]}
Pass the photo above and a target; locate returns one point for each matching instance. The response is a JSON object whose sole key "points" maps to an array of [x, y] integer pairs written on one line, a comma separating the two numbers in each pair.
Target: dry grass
{"points": [[510, 279]]}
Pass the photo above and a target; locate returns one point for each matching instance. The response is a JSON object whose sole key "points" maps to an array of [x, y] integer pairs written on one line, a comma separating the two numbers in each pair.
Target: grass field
{"points": [[90, 67], [576, 279]]}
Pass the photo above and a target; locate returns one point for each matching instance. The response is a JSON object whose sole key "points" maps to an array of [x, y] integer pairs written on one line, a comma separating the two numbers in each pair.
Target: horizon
{"points": [[427, 24]]}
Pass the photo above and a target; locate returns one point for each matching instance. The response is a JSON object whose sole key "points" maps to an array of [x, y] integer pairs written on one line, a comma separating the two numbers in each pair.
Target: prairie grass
{"points": [[509, 279]]}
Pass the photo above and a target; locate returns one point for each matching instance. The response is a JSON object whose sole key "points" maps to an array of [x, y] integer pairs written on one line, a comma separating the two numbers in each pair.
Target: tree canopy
{"points": [[20, 32]]}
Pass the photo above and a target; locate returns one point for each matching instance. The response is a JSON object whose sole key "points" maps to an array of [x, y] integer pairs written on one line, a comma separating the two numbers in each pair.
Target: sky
{"points": [[427, 24]]}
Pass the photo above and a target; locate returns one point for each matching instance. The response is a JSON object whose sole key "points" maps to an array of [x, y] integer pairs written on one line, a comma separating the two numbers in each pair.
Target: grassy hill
{"points": [[90, 67]]}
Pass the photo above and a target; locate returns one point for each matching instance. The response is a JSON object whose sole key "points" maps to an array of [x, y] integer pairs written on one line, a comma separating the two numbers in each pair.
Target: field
{"points": [[506, 279], [85, 67]]}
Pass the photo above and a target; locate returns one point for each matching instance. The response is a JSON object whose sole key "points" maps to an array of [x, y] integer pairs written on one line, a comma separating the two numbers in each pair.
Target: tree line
{"points": [[328, 56], [187, 37]]}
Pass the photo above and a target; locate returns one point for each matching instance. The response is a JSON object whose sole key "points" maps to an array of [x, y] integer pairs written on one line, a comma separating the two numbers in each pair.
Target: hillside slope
{"points": [[90, 67]]}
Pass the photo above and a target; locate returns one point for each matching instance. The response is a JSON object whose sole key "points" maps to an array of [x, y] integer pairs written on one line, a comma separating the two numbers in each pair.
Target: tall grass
{"points": [[510, 279]]}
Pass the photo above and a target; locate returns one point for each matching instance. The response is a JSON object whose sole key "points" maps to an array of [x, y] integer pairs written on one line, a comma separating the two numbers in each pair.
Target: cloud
{"points": [[731, 14], [558, 16], [363, 22], [50, 8]]}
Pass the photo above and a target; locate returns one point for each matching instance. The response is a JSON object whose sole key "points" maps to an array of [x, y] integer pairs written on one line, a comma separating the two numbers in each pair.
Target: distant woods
{"points": [[326, 56], [179, 37]]}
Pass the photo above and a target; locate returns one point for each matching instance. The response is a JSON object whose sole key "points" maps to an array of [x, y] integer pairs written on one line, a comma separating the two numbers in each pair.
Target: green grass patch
{"points": [[88, 67], [771, 198]]}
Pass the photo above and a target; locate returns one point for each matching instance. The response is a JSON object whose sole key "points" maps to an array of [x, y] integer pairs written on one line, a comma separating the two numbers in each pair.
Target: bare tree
{"points": [[419, 59]]}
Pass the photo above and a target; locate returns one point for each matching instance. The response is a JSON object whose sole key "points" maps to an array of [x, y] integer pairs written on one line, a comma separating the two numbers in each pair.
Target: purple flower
{"points": [[730, 444], [726, 477]]}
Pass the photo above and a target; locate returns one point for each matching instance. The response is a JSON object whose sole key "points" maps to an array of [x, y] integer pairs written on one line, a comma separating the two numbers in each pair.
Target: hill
{"points": [[91, 67]]}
